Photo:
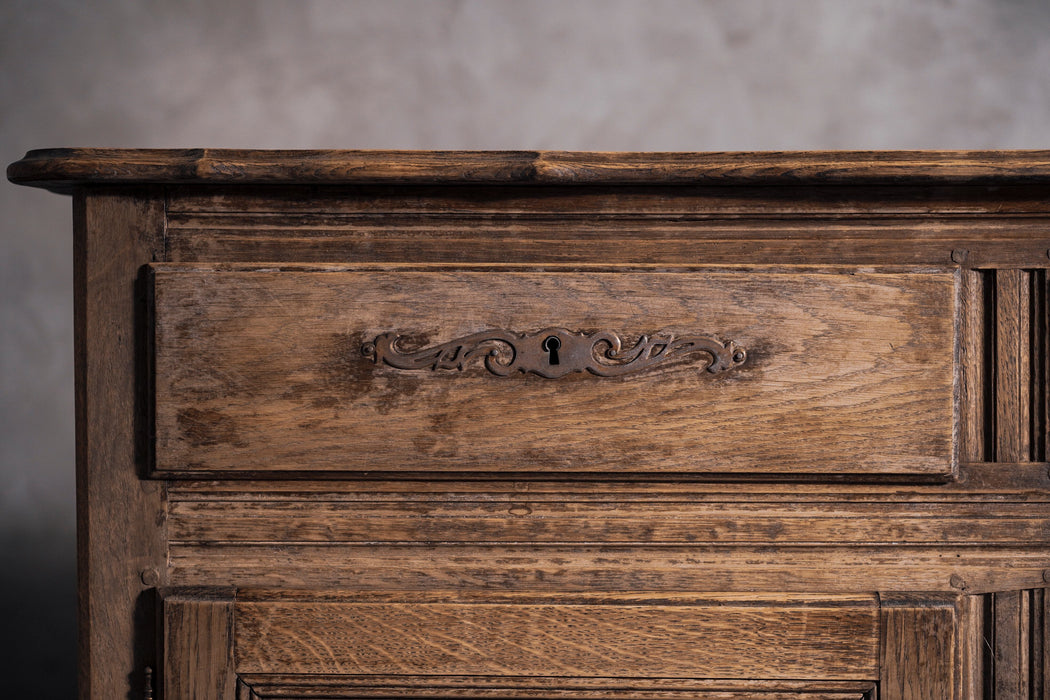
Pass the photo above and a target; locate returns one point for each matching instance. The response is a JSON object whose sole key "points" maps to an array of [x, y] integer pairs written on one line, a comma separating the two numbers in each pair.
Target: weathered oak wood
{"points": [[645, 522], [261, 370], [595, 228], [577, 567], [684, 637]]}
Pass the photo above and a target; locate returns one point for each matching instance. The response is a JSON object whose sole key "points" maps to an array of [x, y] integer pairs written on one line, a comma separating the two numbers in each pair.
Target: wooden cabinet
{"points": [[560, 425]]}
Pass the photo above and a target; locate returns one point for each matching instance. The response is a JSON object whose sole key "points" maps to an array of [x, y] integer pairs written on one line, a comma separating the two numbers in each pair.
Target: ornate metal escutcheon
{"points": [[556, 352]]}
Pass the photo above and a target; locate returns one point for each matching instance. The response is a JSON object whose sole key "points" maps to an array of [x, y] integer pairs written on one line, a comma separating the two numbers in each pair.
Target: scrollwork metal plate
{"points": [[556, 352]]}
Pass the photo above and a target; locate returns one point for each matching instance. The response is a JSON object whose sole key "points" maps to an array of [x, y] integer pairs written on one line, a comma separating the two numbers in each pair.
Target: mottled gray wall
{"points": [[551, 74]]}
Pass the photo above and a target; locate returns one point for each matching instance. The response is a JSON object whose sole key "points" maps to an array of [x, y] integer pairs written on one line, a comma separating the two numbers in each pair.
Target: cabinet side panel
{"points": [[115, 234]]}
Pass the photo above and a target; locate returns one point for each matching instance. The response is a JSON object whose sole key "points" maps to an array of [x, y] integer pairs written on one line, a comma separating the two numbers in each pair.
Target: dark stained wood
{"points": [[845, 373], [861, 511], [198, 645], [114, 235], [918, 648], [63, 167]]}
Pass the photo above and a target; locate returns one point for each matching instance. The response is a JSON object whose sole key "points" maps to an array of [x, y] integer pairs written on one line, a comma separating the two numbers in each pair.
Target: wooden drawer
{"points": [[439, 370]]}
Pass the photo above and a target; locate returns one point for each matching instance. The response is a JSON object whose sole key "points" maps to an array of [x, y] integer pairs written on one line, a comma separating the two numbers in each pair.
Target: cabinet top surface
{"points": [[64, 169]]}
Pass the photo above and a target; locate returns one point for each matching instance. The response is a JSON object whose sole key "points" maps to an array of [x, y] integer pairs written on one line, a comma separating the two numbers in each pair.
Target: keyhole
{"points": [[551, 345]]}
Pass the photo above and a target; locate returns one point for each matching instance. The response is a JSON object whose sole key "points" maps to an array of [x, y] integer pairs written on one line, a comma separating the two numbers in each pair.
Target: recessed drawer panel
{"points": [[738, 374]]}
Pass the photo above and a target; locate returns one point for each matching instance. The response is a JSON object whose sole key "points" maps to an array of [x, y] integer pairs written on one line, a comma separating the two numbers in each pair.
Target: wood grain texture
{"points": [[259, 370], [64, 167], [642, 523], [918, 650], [1013, 366], [114, 235], [756, 567], [701, 229], [871, 207], [970, 648], [198, 646], [685, 638]]}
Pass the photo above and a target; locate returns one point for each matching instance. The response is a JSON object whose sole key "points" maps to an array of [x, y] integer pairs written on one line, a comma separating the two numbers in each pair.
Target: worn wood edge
{"points": [[62, 169]]}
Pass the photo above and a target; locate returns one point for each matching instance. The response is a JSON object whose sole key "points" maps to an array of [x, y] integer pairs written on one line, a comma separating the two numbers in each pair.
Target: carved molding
{"points": [[556, 352]]}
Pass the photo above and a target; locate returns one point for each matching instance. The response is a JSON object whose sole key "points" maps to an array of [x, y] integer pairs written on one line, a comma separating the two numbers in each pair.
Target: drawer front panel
{"points": [[819, 374]]}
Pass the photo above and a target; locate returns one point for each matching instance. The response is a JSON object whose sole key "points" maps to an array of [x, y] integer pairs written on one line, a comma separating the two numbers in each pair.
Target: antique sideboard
{"points": [[579, 426]]}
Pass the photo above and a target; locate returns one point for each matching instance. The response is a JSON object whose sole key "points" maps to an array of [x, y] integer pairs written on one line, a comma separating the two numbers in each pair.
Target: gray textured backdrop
{"points": [[559, 74]]}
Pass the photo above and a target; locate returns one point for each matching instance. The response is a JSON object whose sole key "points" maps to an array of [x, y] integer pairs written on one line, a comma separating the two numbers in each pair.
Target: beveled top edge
{"points": [[63, 169]]}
